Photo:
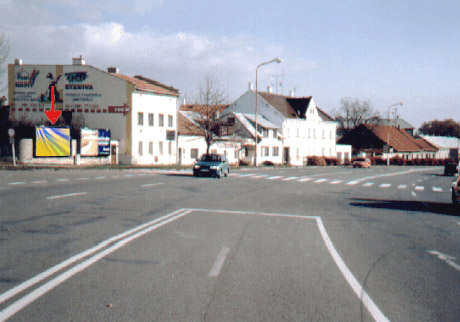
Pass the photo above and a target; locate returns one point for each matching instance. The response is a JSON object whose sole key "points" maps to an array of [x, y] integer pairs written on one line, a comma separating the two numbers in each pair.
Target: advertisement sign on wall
{"points": [[52, 141], [94, 143]]}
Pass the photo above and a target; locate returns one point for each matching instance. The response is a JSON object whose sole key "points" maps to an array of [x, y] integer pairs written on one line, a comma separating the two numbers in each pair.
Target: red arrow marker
{"points": [[53, 115]]}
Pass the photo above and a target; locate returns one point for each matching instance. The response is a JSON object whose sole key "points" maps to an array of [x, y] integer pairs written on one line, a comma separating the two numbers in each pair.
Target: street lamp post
{"points": [[388, 135], [275, 60]]}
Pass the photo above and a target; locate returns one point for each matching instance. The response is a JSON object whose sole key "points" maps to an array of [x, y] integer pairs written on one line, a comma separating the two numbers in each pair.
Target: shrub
{"points": [[318, 161], [243, 162], [268, 163], [332, 161]]}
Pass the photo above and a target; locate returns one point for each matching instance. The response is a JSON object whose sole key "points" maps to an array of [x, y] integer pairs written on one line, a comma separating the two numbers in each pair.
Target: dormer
{"points": [[312, 112]]}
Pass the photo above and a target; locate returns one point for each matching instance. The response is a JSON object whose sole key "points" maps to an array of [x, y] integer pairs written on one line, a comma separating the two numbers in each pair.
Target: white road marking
{"points": [[335, 182], [320, 180], [437, 189], [233, 174], [458, 223], [389, 175], [447, 258], [19, 182], [402, 186], [351, 183], [101, 177], [368, 184], [82, 178], [247, 174], [259, 176], [385, 185], [273, 178], [128, 175], [352, 281], [45, 288], [413, 193], [151, 184], [420, 188], [329, 173], [304, 179], [215, 270], [63, 179], [67, 195], [290, 178], [42, 181]]}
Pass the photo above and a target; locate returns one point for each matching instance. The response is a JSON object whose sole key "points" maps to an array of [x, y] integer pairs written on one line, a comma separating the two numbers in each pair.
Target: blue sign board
{"points": [[103, 142]]}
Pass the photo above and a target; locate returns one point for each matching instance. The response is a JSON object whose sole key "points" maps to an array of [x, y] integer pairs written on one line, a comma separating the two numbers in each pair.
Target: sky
{"points": [[383, 51]]}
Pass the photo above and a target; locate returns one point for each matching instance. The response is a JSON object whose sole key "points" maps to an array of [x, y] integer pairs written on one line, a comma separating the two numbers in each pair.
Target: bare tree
{"points": [[354, 112], [208, 102], [4, 53]]}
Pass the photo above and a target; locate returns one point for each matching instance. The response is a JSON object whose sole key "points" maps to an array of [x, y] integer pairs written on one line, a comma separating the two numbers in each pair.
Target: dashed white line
{"points": [[259, 176], [320, 180], [151, 184], [273, 178], [335, 182], [351, 183], [290, 178], [437, 189], [67, 195], [215, 270], [447, 258], [402, 186], [368, 184], [304, 179], [385, 185], [420, 188], [19, 182]]}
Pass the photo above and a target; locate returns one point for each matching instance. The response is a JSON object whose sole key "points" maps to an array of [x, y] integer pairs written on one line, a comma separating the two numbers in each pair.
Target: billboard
{"points": [[52, 141], [94, 143]]}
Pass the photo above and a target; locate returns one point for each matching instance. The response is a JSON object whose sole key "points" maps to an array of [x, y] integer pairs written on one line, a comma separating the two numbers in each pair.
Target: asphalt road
{"points": [[283, 244]]}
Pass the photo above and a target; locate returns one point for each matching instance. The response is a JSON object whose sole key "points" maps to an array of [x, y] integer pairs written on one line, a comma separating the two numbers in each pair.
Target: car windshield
{"points": [[210, 158]]}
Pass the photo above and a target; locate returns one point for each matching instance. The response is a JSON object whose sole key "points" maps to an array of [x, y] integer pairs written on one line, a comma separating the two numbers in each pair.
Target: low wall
{"points": [[26, 156]]}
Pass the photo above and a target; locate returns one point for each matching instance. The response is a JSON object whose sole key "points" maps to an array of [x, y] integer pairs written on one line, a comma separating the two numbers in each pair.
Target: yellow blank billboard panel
{"points": [[52, 142]]}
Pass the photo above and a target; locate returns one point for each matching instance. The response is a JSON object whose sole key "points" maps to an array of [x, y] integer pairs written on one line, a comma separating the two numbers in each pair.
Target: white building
{"points": [[448, 146], [140, 112], [306, 130]]}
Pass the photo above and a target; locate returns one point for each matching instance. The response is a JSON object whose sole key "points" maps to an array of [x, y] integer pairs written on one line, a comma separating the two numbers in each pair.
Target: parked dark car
{"points": [[456, 191], [450, 168], [215, 165]]}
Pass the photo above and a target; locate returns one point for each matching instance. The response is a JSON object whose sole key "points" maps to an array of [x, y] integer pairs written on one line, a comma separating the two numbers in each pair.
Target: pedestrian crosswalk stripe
{"points": [[304, 179], [350, 183], [273, 178], [402, 186], [320, 180], [290, 178], [335, 182], [437, 189], [420, 188], [247, 174], [368, 184], [259, 176], [385, 185]]}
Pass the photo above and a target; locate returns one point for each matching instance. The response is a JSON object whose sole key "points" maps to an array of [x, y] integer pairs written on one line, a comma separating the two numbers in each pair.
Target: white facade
{"points": [[192, 147], [99, 100]]}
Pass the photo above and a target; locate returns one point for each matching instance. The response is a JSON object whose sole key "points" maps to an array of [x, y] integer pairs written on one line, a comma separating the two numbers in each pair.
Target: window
{"points": [[194, 154], [324, 134], [140, 119], [150, 119], [314, 133], [274, 134], [169, 147], [170, 121], [309, 133], [213, 151], [265, 133], [151, 148], [265, 151], [140, 148], [160, 146], [276, 151], [161, 120], [236, 154], [323, 151]]}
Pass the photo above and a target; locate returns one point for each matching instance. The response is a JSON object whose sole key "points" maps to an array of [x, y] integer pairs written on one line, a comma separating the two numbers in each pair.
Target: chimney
{"points": [[250, 87], [113, 70], [18, 61], [269, 89], [78, 61], [292, 93]]}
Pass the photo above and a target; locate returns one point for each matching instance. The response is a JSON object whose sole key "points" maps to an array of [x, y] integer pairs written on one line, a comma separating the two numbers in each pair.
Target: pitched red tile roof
{"points": [[145, 84], [187, 127], [425, 145], [202, 109], [400, 140]]}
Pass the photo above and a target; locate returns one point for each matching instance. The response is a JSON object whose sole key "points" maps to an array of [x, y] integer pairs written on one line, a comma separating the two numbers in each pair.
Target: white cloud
{"points": [[178, 59]]}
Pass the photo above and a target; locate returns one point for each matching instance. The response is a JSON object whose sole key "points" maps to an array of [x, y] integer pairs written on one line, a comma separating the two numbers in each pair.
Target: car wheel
{"points": [[226, 173], [219, 174], [454, 198]]}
